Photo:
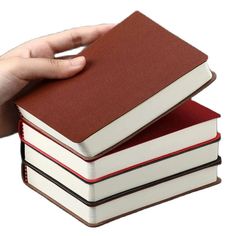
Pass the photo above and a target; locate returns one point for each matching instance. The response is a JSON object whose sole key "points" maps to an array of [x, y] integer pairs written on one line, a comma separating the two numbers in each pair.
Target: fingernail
{"points": [[78, 61]]}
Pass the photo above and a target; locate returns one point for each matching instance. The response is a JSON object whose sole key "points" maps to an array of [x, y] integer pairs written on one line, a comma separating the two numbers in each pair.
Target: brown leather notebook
{"points": [[100, 212], [170, 135], [135, 73]]}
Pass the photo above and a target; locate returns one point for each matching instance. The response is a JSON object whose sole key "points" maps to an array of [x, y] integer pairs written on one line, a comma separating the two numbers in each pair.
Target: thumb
{"points": [[44, 68]]}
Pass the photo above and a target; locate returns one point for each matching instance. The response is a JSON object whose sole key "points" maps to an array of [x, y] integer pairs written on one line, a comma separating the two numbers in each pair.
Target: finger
{"points": [[47, 46], [38, 68], [76, 37]]}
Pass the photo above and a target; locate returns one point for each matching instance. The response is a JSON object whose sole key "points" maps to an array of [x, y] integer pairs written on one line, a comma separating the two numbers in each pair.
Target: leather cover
{"points": [[92, 204], [185, 115], [131, 63]]}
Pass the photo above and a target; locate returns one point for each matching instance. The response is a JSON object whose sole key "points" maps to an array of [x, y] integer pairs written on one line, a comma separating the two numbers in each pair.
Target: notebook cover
{"points": [[217, 162], [105, 90], [195, 113], [130, 168]]}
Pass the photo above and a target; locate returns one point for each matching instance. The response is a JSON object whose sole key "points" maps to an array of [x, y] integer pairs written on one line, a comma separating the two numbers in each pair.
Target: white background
{"points": [[208, 25]]}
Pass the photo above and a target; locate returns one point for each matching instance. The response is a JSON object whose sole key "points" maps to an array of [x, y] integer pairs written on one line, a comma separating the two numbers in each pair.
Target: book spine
{"points": [[20, 129], [24, 173]]}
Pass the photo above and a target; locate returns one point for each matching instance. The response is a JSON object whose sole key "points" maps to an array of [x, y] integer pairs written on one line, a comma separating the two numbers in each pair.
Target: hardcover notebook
{"points": [[189, 126], [132, 178], [135, 74], [121, 204]]}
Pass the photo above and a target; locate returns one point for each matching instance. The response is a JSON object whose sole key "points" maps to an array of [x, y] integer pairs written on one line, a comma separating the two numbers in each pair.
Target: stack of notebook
{"points": [[123, 134]]}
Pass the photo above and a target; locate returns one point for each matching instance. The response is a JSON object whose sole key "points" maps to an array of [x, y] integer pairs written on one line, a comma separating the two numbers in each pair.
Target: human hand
{"points": [[36, 60]]}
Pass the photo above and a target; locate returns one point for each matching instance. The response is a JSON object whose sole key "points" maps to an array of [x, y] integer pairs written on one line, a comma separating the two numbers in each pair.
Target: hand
{"points": [[36, 60]]}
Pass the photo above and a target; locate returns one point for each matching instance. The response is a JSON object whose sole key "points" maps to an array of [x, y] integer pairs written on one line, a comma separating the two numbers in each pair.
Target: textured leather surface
{"points": [[125, 67], [116, 146]]}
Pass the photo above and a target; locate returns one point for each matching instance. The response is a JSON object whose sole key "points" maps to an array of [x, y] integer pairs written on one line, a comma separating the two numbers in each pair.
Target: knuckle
{"points": [[53, 62], [58, 68], [75, 39]]}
